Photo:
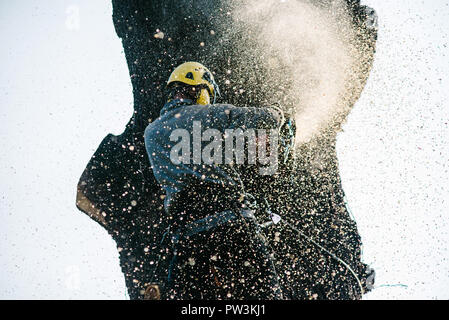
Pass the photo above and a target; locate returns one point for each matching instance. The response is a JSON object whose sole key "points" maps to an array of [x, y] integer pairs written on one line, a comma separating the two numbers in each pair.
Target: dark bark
{"points": [[119, 181]]}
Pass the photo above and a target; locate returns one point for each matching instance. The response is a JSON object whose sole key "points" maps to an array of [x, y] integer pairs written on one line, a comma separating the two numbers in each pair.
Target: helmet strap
{"points": [[203, 97]]}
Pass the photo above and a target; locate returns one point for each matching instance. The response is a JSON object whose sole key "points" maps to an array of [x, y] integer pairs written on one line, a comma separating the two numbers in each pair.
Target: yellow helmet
{"points": [[195, 74]]}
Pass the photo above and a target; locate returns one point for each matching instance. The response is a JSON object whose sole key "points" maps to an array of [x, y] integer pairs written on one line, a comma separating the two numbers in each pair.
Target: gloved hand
{"points": [[287, 135], [287, 132]]}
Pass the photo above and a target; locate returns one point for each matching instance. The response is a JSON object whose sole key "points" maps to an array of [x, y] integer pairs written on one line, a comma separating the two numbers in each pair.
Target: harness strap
{"points": [[211, 222]]}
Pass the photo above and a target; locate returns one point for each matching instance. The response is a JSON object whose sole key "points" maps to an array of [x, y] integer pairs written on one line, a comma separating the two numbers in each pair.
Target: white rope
{"points": [[330, 253], [362, 291]]}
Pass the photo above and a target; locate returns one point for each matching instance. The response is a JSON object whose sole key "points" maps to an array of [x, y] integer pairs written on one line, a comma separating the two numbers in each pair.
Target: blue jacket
{"points": [[175, 176]]}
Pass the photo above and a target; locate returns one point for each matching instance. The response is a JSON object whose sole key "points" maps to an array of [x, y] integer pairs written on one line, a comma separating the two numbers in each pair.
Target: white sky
{"points": [[64, 85]]}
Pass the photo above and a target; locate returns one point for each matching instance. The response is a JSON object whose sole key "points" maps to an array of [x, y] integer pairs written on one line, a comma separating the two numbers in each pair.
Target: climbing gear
{"points": [[275, 218], [197, 75]]}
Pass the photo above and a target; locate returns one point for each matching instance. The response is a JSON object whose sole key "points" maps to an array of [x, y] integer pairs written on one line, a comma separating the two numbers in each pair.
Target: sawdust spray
{"points": [[308, 56]]}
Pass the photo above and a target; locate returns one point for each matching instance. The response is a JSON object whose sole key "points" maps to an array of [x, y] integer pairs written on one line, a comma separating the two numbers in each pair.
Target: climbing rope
{"points": [[275, 219], [278, 219]]}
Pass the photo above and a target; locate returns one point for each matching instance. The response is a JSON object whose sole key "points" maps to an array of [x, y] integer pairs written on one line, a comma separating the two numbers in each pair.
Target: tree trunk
{"points": [[159, 35]]}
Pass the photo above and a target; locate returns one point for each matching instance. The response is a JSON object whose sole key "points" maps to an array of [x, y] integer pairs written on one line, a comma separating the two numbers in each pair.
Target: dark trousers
{"points": [[231, 261]]}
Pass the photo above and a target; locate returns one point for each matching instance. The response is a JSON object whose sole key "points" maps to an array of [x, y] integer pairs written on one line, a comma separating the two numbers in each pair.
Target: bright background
{"points": [[64, 85]]}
